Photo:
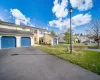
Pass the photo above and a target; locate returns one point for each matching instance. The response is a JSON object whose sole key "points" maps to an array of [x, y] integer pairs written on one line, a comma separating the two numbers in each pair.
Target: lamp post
{"points": [[70, 11]]}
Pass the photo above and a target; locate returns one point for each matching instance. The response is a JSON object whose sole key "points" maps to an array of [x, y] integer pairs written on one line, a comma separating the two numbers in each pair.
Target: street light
{"points": [[70, 11]]}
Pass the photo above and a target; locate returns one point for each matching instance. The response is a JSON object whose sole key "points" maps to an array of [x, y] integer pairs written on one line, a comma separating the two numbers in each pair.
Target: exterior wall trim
{"points": [[18, 41]]}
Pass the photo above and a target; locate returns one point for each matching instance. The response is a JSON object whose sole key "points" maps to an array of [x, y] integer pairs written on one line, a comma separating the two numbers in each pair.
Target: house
{"points": [[16, 35], [12, 35], [79, 38], [94, 39], [39, 33], [50, 39], [43, 36], [61, 38]]}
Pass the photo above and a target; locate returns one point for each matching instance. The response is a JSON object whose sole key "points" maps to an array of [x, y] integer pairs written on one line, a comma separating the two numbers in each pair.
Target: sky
{"points": [[51, 14]]}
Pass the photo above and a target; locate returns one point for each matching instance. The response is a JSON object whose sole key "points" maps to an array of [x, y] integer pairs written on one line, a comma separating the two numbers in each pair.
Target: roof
{"points": [[54, 36], [10, 31], [61, 35], [94, 37], [22, 26]]}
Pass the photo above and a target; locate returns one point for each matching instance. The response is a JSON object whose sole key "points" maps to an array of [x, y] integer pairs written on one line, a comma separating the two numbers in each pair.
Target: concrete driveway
{"points": [[33, 64]]}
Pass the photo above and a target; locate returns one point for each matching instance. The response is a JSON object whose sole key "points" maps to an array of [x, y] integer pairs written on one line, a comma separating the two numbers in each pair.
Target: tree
{"points": [[53, 33], [67, 37], [94, 31], [81, 34]]}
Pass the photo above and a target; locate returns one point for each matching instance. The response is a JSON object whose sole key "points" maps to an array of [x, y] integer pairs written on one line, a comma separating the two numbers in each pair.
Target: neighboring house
{"points": [[78, 38], [93, 39], [61, 37], [39, 33], [43, 36], [49, 39]]}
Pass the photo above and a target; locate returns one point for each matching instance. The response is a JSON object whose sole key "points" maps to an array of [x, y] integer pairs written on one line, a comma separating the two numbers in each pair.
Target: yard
{"points": [[94, 46], [89, 60], [79, 44]]}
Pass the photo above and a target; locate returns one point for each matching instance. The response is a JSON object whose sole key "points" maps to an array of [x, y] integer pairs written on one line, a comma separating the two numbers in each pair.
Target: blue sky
{"points": [[51, 14]]}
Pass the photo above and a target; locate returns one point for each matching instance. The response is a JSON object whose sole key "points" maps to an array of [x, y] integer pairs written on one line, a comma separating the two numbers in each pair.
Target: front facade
{"points": [[80, 38], [49, 39], [12, 36], [39, 34]]}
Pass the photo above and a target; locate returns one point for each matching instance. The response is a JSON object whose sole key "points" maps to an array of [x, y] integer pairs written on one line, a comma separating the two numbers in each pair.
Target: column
{"points": [[18, 41], [38, 35], [32, 41]]}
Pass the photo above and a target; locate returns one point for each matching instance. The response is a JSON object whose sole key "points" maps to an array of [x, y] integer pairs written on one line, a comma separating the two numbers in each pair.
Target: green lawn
{"points": [[78, 44], [87, 59], [93, 46]]}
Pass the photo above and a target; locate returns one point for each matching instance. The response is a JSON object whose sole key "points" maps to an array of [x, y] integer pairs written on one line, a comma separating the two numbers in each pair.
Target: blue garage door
{"points": [[54, 41], [25, 41], [8, 42]]}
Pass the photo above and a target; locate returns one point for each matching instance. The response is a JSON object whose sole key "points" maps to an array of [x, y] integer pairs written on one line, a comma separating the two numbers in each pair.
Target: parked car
{"points": [[86, 42]]}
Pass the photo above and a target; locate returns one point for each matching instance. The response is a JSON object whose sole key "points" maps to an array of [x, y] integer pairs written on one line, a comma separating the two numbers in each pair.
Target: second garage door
{"points": [[25, 41]]}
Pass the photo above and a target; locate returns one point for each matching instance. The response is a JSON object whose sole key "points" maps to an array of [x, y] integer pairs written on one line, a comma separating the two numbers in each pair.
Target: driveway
{"points": [[34, 64]]}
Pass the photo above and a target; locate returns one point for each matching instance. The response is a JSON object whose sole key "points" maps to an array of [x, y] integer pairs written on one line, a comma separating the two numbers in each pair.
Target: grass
{"points": [[79, 44], [87, 59]]}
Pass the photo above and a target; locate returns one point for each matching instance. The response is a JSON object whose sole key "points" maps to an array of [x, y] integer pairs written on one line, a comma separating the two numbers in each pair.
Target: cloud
{"points": [[59, 9], [82, 4], [18, 15], [61, 24], [61, 12], [2, 19], [77, 20], [81, 19]]}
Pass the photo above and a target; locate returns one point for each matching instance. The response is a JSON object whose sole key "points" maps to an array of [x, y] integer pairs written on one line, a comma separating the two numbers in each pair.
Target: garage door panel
{"points": [[8, 42], [25, 41], [54, 41]]}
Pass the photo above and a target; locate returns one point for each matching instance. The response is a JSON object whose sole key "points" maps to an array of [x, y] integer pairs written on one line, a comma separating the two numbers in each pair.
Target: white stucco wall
{"points": [[38, 36], [52, 41], [14, 28], [57, 41], [18, 41], [32, 41]]}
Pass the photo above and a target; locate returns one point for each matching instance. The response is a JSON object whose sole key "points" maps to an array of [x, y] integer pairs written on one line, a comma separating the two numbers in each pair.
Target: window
{"points": [[35, 39], [40, 32], [34, 31]]}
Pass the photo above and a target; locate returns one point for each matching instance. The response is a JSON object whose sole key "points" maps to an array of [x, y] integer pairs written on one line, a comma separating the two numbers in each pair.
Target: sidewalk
{"points": [[97, 50]]}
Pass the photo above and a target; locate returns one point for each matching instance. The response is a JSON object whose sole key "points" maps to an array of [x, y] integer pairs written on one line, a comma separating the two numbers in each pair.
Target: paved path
{"points": [[97, 50], [33, 64]]}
